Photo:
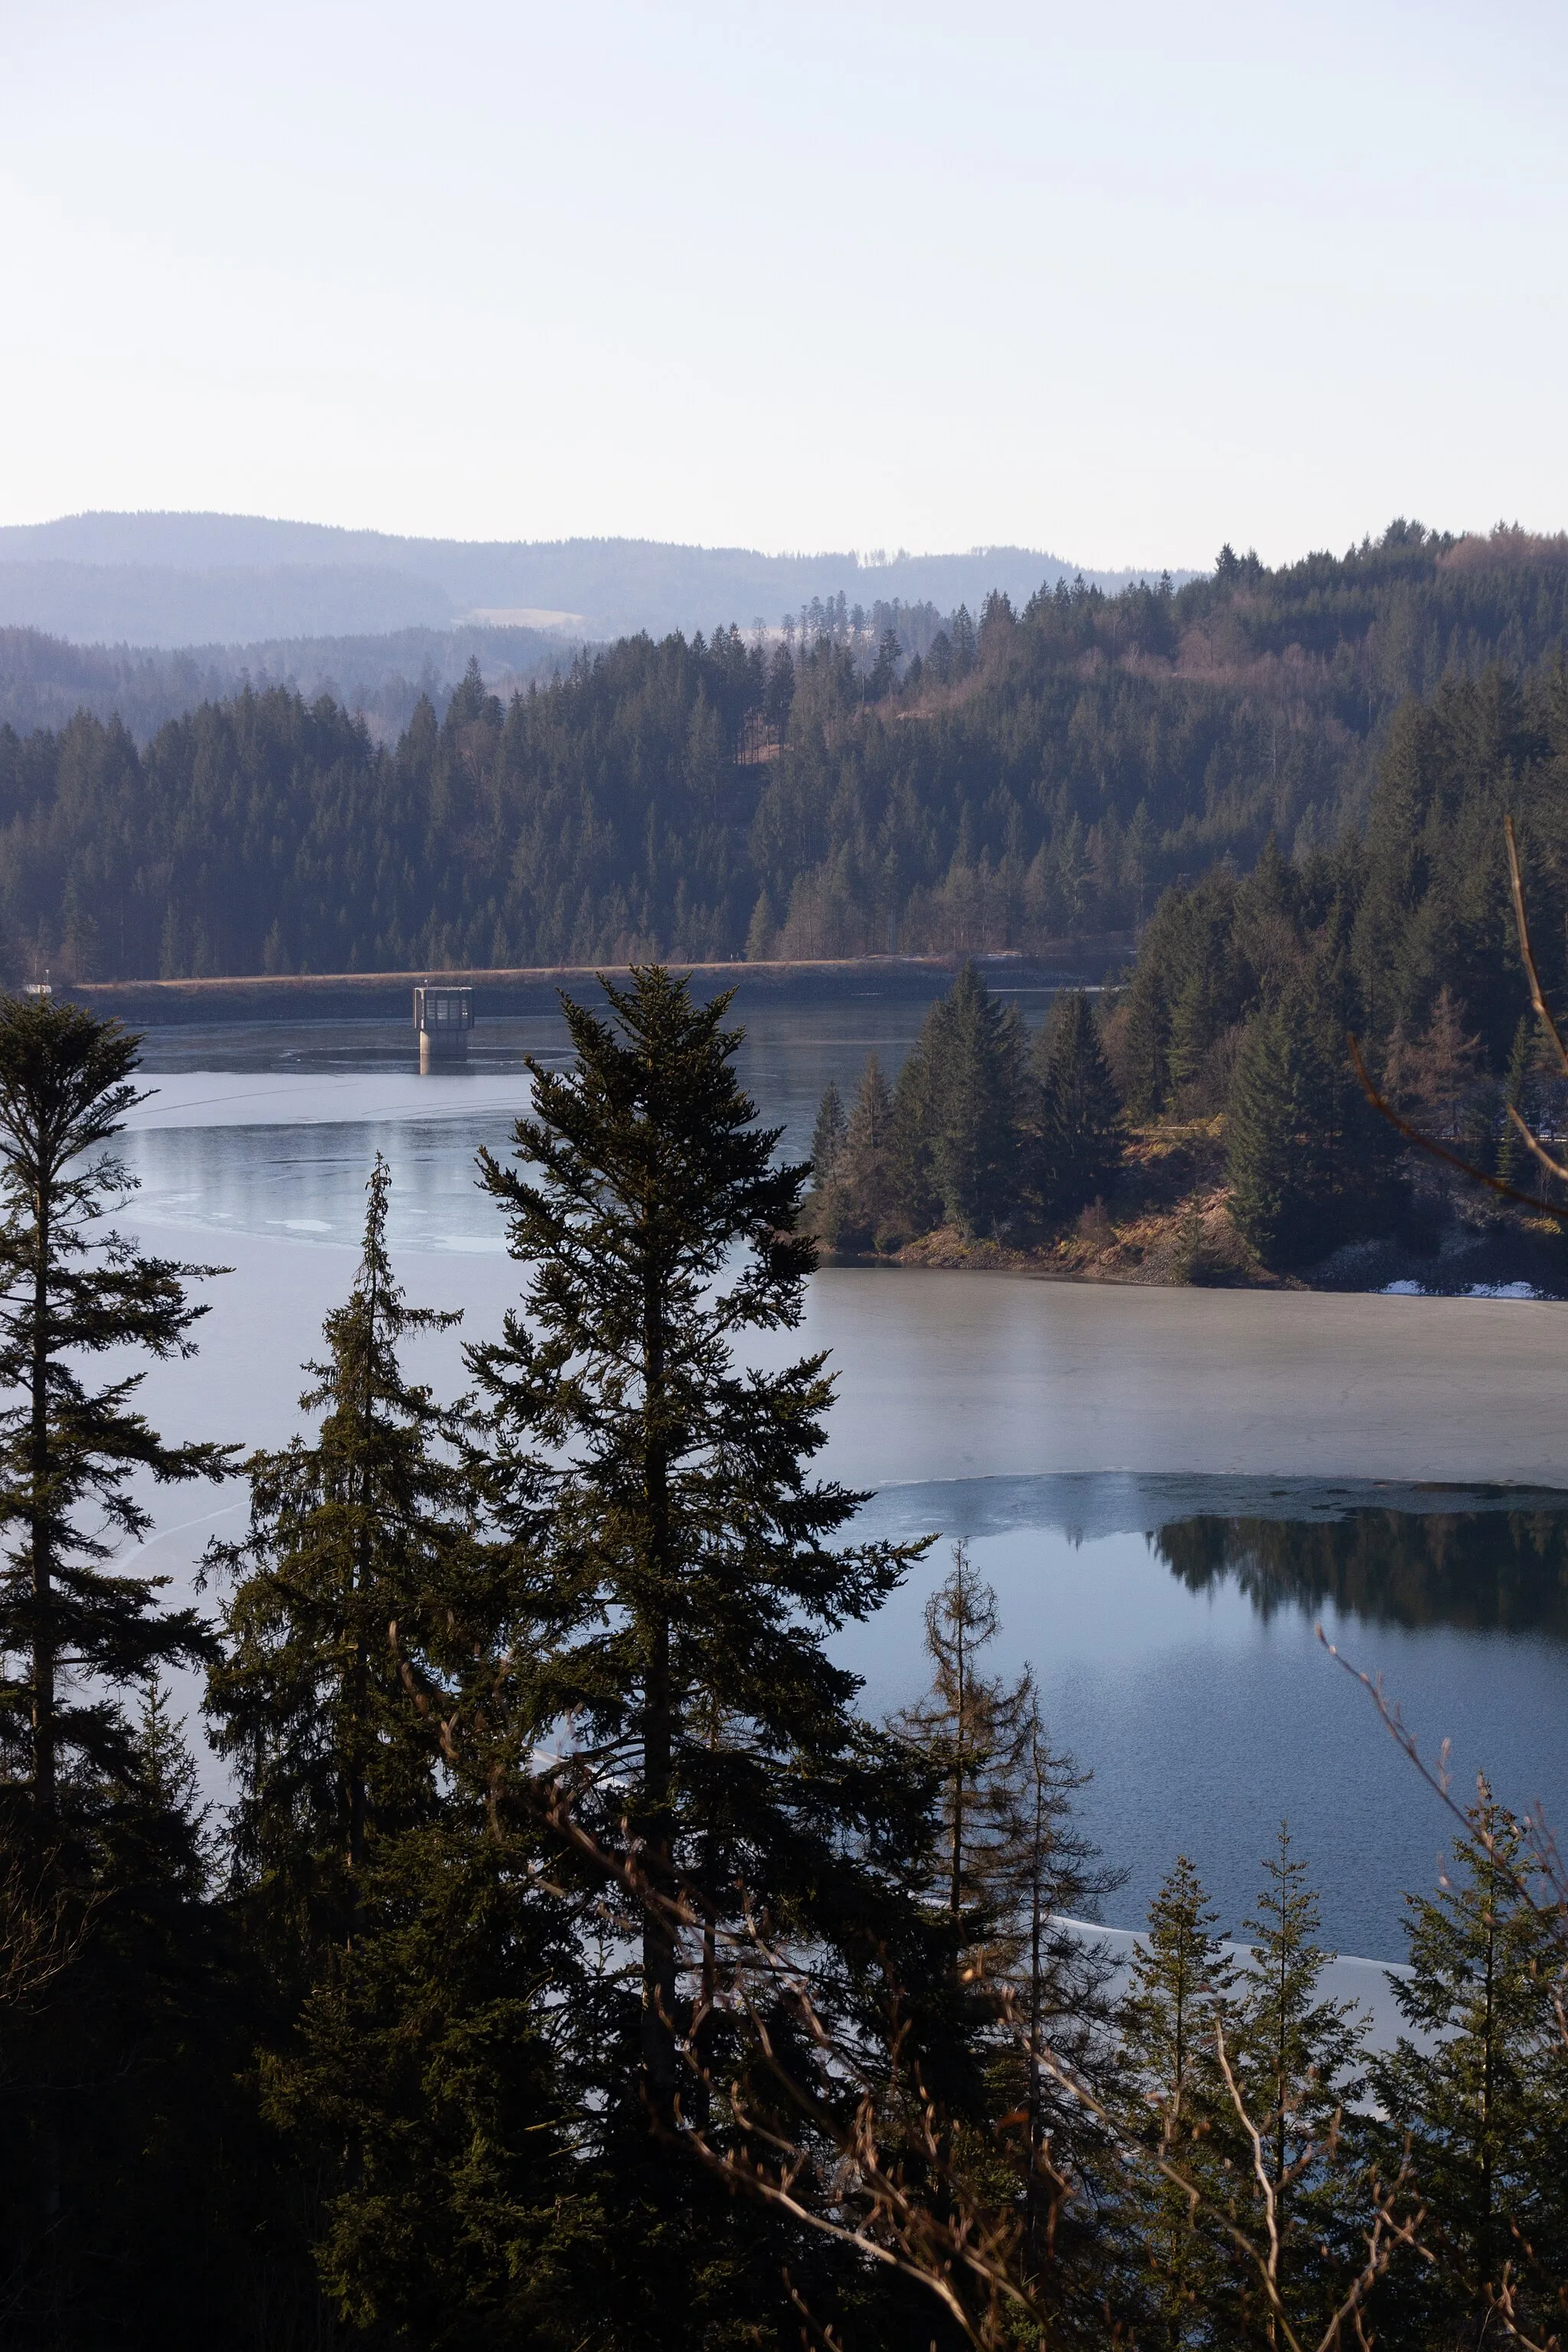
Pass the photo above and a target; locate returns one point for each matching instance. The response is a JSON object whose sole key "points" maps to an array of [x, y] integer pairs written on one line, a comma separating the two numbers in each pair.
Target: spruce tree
{"points": [[973, 1730], [917, 1200], [389, 1892], [1080, 1115], [1280, 1139], [1482, 2088], [100, 2174], [827, 1136], [1297, 2061], [688, 1583], [356, 1534], [1309, 1161], [973, 1051], [867, 1197], [1048, 1881], [76, 1631], [1179, 1986]]}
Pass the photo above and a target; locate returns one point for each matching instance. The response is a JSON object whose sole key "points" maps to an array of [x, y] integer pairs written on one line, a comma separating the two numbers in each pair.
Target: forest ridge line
{"points": [[941, 785]]}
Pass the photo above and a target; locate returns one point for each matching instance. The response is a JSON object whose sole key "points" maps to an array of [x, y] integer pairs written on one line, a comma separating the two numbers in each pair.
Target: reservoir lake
{"points": [[1171, 1491]]}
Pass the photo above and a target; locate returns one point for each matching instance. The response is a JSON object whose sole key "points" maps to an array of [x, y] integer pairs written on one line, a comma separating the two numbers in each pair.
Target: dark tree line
{"points": [[981, 1131], [1245, 989], [992, 783]]}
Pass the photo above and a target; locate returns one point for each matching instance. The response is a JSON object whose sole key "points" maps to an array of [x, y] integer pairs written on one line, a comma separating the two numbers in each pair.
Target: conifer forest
{"points": [[575, 1961], [859, 782]]}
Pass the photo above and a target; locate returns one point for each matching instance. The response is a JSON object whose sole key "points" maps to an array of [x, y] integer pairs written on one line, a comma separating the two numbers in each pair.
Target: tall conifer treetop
{"points": [[692, 1578], [74, 1632]]}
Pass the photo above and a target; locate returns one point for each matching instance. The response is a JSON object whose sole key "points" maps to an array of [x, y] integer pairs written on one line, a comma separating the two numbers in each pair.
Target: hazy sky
{"points": [[1121, 281]]}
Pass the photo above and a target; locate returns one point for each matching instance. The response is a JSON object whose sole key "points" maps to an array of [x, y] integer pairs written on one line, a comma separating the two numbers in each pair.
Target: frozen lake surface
{"points": [[1169, 1489]]}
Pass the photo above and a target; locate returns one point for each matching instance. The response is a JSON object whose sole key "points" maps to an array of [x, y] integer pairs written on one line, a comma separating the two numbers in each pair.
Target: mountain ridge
{"points": [[169, 580]]}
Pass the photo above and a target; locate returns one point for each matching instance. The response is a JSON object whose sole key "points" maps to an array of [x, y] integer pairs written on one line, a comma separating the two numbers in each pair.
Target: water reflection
{"points": [[1171, 1623], [1494, 1572]]}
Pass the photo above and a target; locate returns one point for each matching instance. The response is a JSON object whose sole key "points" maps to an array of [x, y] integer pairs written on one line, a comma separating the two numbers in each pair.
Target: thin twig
{"points": [[1527, 953], [1436, 1151]]}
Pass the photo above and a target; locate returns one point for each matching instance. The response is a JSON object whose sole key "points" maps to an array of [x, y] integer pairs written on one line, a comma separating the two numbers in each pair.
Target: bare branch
{"points": [[1436, 1151], [1542, 1843], [1527, 952], [1553, 1167]]}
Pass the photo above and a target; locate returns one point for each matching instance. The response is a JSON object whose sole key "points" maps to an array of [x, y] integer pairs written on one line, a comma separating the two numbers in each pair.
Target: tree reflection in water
{"points": [[1483, 1572]]}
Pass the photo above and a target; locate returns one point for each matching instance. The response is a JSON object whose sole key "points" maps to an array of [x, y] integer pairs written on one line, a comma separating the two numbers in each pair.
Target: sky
{"points": [[1121, 283]]}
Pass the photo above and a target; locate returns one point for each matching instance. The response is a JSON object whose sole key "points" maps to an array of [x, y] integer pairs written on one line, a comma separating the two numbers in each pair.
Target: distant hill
{"points": [[181, 579], [45, 680]]}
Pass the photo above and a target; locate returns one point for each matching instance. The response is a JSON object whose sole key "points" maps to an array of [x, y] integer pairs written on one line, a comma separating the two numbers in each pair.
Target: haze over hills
{"points": [[183, 579], [45, 680]]}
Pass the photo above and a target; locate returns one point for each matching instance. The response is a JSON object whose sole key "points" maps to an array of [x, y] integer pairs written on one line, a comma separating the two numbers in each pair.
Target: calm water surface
{"points": [[1169, 1490]]}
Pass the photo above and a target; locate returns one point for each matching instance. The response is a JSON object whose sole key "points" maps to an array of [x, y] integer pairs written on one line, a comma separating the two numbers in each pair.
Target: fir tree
{"points": [[1048, 1880], [911, 1136], [691, 1580], [1308, 1163], [827, 1136], [1280, 1139], [1179, 1987], [974, 1732], [973, 1052], [867, 1188], [170, 2181], [421, 2094], [1296, 2060], [361, 1531], [408, 2068], [1080, 1116], [855, 1210], [76, 1631], [1482, 2088]]}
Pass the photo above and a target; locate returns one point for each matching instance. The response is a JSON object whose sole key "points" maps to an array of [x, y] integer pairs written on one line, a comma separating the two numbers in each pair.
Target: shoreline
{"points": [[1180, 1250], [503, 992]]}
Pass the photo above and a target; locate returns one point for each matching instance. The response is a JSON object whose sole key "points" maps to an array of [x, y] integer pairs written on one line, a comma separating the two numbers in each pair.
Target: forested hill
{"points": [[1027, 775]]}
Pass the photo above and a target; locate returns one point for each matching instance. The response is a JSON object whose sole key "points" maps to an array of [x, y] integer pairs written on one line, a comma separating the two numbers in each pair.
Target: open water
{"points": [[1169, 1490]]}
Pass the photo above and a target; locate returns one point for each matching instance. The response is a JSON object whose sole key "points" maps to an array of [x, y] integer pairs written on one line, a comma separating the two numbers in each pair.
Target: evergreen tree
{"points": [[1080, 1116], [957, 1143], [1048, 1880], [973, 1731], [1482, 2088], [74, 1632], [112, 2107], [1308, 1164], [363, 1529], [1280, 1140], [827, 1136], [976, 1053], [167, 2190], [1296, 2060], [910, 1137], [857, 1210], [690, 1584], [392, 1896], [421, 2097], [1180, 1984]]}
